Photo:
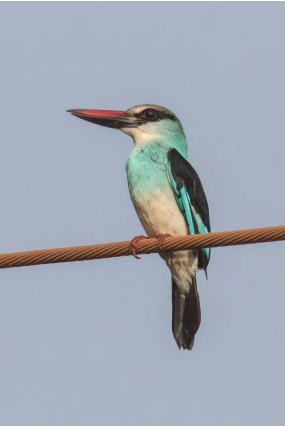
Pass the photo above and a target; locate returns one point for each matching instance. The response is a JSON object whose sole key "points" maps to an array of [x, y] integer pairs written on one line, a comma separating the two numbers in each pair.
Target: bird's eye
{"points": [[150, 114]]}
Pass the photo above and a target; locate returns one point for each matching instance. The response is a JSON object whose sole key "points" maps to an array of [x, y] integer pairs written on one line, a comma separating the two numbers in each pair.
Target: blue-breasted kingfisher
{"points": [[168, 197]]}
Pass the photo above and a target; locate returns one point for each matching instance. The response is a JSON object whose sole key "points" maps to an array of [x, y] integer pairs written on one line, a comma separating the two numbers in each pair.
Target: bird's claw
{"points": [[160, 240], [133, 245]]}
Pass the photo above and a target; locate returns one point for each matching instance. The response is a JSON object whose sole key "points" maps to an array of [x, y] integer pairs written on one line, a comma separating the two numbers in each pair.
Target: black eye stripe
{"points": [[151, 114]]}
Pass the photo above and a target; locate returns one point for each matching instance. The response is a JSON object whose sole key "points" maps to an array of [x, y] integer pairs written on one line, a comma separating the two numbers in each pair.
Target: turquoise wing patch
{"points": [[183, 200]]}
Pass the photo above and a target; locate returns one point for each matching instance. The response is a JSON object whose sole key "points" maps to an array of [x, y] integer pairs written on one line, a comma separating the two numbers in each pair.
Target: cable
{"points": [[144, 246]]}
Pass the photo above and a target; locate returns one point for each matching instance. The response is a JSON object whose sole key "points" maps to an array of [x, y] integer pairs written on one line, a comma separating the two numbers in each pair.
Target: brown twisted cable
{"points": [[151, 245]]}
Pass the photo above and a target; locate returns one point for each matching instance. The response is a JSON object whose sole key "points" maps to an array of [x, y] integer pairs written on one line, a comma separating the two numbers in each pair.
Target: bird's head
{"points": [[144, 123]]}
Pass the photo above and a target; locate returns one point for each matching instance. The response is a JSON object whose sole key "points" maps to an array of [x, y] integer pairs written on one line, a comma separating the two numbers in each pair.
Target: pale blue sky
{"points": [[90, 343]]}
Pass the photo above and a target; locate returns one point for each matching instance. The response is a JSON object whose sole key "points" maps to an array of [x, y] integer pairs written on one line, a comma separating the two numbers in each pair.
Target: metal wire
{"points": [[145, 246]]}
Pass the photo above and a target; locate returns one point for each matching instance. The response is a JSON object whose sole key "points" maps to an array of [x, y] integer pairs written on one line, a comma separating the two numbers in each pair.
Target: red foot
{"points": [[160, 240], [133, 245]]}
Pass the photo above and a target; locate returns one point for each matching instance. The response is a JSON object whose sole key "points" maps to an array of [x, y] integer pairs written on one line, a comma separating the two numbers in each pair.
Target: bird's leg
{"points": [[133, 245], [160, 240]]}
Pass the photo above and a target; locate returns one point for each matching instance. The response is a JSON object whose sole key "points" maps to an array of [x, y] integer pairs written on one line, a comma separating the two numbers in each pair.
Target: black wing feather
{"points": [[183, 171], [185, 174]]}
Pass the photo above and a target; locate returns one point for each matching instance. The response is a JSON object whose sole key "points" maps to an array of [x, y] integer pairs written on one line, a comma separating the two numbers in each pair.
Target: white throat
{"points": [[142, 134]]}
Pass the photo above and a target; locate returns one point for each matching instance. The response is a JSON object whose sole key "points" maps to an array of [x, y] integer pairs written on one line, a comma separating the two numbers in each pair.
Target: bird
{"points": [[168, 197]]}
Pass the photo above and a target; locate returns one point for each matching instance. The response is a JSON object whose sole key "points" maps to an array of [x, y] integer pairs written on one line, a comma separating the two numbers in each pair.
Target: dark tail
{"points": [[186, 315]]}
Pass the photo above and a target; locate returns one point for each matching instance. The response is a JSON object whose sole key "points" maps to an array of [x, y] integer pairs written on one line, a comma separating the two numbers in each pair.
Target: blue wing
{"points": [[191, 199]]}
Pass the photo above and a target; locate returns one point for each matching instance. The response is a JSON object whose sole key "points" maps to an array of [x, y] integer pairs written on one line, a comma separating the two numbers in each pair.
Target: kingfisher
{"points": [[168, 197]]}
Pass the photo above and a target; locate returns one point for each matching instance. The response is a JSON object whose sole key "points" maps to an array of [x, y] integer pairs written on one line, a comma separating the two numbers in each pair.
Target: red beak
{"points": [[95, 112], [108, 118]]}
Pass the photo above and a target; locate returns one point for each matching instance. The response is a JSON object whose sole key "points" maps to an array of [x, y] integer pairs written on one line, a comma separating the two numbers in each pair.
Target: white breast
{"points": [[159, 214]]}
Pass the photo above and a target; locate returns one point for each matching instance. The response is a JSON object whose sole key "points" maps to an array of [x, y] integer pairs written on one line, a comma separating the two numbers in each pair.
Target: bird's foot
{"points": [[133, 245], [160, 240]]}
